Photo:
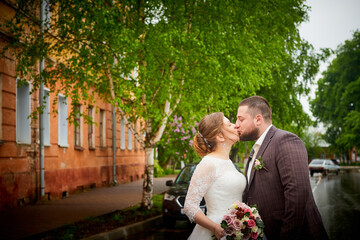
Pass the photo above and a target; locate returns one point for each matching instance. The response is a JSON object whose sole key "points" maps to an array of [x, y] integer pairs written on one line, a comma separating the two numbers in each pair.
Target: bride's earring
{"points": [[223, 145]]}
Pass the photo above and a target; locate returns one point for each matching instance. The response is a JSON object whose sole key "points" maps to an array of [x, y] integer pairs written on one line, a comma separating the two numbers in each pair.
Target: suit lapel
{"points": [[262, 149]]}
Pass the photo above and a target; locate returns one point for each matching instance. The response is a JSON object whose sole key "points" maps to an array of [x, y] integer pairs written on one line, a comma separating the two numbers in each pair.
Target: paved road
{"points": [[338, 200], [337, 197], [33, 219]]}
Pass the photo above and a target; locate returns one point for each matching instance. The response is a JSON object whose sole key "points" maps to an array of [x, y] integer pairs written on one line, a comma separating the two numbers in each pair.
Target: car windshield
{"points": [[317, 162], [185, 175]]}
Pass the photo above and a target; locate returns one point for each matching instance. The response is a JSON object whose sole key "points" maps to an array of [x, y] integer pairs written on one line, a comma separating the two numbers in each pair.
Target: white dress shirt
{"points": [[256, 148]]}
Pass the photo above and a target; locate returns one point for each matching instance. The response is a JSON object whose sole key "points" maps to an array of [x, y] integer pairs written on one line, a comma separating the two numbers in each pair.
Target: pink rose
{"points": [[257, 163], [233, 212], [237, 224], [254, 235], [250, 223], [242, 205], [249, 211], [230, 231], [228, 219]]}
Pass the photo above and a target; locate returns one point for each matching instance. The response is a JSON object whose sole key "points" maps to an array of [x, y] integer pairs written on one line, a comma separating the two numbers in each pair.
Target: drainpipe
{"points": [[41, 98], [114, 144]]}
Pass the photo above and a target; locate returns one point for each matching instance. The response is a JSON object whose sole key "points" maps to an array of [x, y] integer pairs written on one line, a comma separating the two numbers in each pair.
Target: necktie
{"points": [[255, 151], [248, 163]]}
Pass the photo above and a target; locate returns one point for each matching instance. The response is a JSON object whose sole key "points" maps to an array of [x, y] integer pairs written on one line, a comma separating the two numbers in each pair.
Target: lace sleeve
{"points": [[200, 182]]}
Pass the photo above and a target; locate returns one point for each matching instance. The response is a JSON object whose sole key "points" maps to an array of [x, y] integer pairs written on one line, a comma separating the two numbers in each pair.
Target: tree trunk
{"points": [[148, 179]]}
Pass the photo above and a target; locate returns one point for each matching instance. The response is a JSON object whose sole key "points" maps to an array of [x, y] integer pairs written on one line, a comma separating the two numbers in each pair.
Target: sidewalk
{"points": [[33, 219]]}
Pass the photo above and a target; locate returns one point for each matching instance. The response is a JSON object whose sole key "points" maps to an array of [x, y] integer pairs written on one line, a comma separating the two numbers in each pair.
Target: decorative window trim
{"points": [[23, 122], [62, 122]]}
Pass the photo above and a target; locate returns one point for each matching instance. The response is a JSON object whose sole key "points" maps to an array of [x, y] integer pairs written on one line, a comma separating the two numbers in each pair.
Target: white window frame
{"points": [[79, 127], [102, 128], [91, 128], [46, 117], [122, 135], [23, 111], [135, 140], [62, 121], [129, 139], [47, 13]]}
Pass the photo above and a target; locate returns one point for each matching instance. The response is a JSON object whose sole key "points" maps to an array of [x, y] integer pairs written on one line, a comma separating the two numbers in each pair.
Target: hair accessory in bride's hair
{"points": [[205, 140]]}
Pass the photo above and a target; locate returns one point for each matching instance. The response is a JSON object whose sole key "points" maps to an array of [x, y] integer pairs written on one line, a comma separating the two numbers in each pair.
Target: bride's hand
{"points": [[219, 231]]}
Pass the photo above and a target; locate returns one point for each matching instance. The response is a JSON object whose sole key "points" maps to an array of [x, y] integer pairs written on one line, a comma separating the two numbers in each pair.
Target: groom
{"points": [[280, 184]]}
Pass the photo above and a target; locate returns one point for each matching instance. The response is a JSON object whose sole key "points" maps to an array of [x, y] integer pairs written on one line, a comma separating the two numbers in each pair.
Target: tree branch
{"points": [[121, 111]]}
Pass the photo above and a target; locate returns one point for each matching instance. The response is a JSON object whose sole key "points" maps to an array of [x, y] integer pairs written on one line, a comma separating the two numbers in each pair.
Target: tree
{"points": [[312, 143], [177, 145], [152, 58], [337, 101]]}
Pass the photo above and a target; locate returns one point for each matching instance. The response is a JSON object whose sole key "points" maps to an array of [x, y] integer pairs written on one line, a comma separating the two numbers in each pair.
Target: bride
{"points": [[215, 178]]}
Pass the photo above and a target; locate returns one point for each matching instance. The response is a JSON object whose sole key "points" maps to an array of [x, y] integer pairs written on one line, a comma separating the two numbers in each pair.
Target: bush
{"points": [[351, 164], [158, 171], [171, 171]]}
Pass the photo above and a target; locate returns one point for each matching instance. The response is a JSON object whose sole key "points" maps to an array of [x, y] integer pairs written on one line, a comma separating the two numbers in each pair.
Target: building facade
{"points": [[76, 156]]}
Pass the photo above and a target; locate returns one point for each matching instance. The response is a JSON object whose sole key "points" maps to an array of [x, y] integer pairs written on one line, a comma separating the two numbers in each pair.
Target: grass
{"points": [[351, 164], [94, 225]]}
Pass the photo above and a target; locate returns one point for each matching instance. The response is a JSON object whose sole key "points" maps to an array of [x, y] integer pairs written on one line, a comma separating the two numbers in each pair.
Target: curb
{"points": [[349, 167], [126, 231]]}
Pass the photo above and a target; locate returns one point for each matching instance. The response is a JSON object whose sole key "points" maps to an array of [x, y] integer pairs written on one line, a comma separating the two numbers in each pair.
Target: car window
{"points": [[317, 162], [185, 175]]}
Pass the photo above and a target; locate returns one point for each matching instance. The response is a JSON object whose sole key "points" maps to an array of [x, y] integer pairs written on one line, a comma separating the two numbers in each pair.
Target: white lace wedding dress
{"points": [[219, 182]]}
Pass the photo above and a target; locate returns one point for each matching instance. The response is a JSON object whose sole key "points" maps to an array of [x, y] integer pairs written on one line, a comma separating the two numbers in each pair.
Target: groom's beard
{"points": [[253, 135]]}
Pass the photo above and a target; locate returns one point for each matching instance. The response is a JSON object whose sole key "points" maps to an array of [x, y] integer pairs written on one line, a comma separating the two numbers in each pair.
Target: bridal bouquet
{"points": [[243, 222]]}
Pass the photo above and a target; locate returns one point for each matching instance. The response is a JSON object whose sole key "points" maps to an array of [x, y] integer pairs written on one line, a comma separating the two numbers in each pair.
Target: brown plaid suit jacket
{"points": [[283, 193]]}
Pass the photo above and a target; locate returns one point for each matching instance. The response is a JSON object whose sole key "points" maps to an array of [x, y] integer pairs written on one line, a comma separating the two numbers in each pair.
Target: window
{"points": [[129, 139], [91, 133], [135, 142], [47, 13], [46, 117], [63, 125], [102, 128], [78, 127], [23, 123], [122, 134]]}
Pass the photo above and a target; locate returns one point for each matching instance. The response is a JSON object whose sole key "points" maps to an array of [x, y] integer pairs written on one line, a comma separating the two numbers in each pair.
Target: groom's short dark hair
{"points": [[257, 105]]}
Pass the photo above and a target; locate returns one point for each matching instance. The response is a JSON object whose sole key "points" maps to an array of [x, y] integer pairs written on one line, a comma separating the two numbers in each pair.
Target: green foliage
{"points": [[158, 171], [224, 224], [312, 144], [176, 145], [206, 54], [337, 101], [167, 57]]}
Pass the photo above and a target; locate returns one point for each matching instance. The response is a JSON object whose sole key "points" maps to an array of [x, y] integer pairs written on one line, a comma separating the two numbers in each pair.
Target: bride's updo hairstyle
{"points": [[205, 138]]}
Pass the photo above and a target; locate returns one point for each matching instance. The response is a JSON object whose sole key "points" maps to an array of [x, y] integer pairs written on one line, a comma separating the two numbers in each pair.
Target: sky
{"points": [[330, 23]]}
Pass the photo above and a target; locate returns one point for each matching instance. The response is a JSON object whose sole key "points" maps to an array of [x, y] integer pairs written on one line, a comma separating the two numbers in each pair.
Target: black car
{"points": [[174, 198], [335, 161]]}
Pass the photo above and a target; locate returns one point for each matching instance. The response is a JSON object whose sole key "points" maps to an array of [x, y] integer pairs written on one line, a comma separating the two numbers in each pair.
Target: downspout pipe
{"points": [[114, 144], [41, 102]]}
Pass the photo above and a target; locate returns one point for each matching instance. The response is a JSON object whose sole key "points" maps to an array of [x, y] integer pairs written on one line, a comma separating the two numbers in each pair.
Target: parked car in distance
{"points": [[336, 161], [324, 166], [174, 198]]}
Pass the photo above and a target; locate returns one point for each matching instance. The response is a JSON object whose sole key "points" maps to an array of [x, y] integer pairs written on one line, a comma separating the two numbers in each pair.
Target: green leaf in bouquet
{"points": [[254, 206], [259, 223], [224, 224], [247, 214]]}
